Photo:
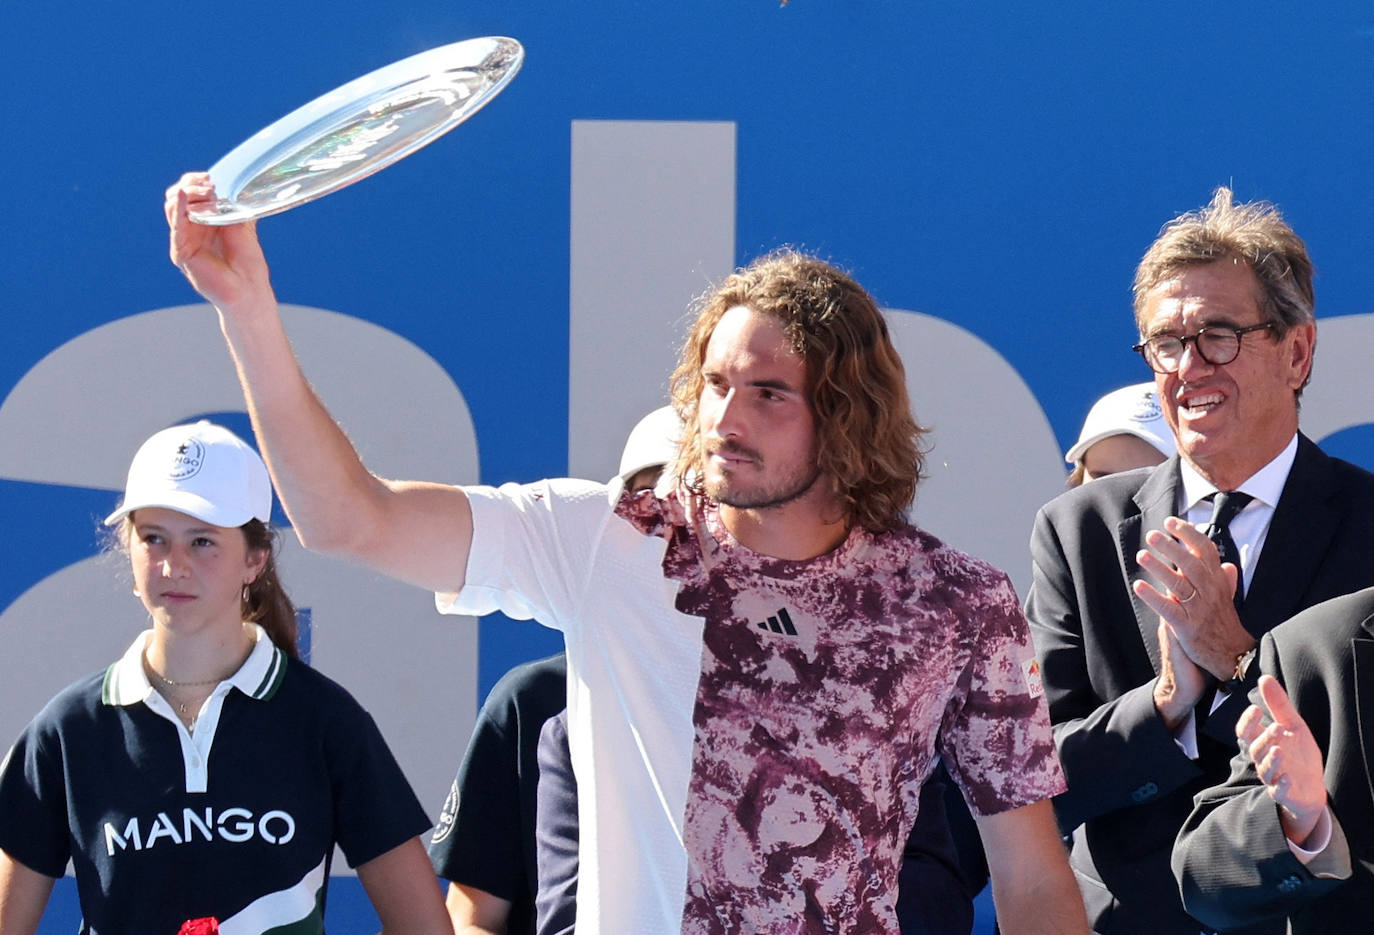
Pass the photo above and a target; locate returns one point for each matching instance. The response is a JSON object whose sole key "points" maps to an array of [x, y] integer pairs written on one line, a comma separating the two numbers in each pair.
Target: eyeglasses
{"points": [[1216, 344]]}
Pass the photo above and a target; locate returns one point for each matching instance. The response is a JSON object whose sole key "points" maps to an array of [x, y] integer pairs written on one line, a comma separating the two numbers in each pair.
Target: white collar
{"points": [[1265, 485], [259, 677]]}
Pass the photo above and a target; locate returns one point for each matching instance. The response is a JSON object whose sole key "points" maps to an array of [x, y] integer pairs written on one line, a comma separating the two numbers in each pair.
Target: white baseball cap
{"points": [[1131, 410], [202, 470], [653, 442]]}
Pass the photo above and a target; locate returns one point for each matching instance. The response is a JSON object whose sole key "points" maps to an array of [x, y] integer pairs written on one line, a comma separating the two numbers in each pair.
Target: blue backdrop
{"points": [[991, 172]]}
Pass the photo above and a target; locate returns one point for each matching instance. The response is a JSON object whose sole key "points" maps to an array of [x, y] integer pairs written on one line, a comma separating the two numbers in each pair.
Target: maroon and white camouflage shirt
{"points": [[786, 759]]}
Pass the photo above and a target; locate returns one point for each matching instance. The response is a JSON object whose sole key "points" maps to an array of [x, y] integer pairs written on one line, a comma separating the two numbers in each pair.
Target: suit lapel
{"points": [[1155, 502], [1299, 535]]}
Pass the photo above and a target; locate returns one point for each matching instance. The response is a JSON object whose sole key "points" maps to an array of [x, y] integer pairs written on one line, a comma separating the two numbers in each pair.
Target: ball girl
{"points": [[201, 782]]}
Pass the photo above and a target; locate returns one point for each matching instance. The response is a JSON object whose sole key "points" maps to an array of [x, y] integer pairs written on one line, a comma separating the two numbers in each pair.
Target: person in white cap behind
{"points": [[201, 782], [652, 443], [1124, 430]]}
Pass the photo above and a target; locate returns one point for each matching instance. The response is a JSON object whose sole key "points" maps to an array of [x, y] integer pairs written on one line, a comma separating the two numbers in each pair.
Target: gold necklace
{"points": [[166, 681], [183, 707]]}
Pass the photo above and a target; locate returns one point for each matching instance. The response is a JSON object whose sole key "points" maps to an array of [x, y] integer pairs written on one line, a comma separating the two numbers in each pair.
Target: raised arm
{"points": [[417, 532], [1287, 760]]}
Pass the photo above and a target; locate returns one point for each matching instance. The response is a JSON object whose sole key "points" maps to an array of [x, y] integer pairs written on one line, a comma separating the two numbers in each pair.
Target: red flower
{"points": [[200, 927]]}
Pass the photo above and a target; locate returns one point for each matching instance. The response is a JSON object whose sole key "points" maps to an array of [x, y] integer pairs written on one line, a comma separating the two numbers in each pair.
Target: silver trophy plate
{"points": [[358, 129]]}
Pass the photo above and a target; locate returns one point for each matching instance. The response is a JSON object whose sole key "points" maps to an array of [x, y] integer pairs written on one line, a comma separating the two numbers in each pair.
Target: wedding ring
{"points": [[1189, 597]]}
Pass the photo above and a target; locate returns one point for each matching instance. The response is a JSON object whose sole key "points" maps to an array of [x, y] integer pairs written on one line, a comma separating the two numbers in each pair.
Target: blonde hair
{"points": [[868, 444]]}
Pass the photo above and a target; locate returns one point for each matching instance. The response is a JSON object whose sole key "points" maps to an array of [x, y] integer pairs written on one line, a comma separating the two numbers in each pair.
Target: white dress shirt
{"points": [[1249, 529]]}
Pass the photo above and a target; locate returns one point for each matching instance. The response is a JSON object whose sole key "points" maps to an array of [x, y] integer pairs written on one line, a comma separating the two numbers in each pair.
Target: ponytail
{"points": [[267, 603]]}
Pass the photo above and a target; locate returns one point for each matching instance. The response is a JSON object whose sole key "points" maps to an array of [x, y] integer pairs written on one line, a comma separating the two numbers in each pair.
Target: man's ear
{"points": [[1302, 343]]}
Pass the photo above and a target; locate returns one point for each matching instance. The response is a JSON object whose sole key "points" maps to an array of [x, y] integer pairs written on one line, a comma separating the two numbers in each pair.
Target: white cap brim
{"points": [[186, 502], [1080, 448], [1129, 410]]}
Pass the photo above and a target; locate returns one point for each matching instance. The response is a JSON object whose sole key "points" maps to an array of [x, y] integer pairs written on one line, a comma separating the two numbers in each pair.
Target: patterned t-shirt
{"points": [[754, 732]]}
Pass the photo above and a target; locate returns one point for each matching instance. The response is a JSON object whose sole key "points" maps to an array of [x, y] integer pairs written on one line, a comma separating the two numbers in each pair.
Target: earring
{"points": [[245, 592]]}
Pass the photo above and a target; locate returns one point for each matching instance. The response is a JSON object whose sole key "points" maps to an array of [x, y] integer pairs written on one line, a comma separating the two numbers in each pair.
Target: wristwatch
{"points": [[1237, 679]]}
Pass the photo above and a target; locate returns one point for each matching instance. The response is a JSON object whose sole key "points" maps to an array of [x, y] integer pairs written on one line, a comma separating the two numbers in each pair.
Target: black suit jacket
{"points": [[1130, 787], [1231, 859]]}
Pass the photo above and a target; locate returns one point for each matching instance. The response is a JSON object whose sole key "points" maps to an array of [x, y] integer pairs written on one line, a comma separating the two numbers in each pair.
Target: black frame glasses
{"points": [[1216, 344]]}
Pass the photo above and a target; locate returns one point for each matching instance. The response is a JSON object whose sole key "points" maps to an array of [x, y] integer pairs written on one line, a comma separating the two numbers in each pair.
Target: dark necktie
{"points": [[1225, 506]]}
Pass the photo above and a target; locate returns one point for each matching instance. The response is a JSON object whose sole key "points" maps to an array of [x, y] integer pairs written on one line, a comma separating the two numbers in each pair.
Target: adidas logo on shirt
{"points": [[781, 623]]}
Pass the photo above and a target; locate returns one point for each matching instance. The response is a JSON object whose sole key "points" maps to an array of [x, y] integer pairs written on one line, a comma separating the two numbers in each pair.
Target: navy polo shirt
{"points": [[236, 820]]}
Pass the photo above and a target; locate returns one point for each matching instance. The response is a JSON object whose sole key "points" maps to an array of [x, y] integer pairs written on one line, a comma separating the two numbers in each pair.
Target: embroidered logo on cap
{"points": [[1146, 408], [187, 460]]}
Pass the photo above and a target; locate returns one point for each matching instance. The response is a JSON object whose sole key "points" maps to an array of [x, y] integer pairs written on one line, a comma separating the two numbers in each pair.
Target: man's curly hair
{"points": [[868, 443]]}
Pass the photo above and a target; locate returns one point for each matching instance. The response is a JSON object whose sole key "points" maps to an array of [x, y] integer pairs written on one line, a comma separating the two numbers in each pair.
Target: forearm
{"points": [[1032, 886], [414, 531], [1118, 756], [1115, 748], [23, 896], [475, 911], [1051, 905], [1232, 861], [404, 892], [318, 475], [317, 472]]}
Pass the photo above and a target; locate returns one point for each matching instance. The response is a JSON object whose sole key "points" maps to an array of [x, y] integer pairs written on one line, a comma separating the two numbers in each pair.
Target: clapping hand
{"points": [[1193, 592], [1287, 759]]}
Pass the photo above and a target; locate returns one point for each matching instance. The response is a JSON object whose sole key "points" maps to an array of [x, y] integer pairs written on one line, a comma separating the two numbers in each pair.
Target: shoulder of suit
{"points": [[1352, 475], [1343, 480], [1113, 495], [1331, 623]]}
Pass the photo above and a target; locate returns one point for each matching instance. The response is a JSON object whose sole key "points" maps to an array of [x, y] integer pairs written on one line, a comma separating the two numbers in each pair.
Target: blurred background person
{"points": [[1124, 430]]}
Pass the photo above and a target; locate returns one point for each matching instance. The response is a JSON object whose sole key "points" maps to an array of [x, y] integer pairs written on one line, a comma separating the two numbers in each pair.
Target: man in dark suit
{"points": [[1277, 839], [1145, 635]]}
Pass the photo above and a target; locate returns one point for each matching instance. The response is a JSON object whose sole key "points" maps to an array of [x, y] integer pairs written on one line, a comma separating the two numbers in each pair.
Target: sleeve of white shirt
{"points": [[1186, 736], [532, 548], [1329, 856]]}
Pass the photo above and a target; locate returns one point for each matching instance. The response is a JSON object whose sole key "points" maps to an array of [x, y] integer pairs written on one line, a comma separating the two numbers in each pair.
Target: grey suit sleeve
{"points": [[1231, 858], [1115, 750]]}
